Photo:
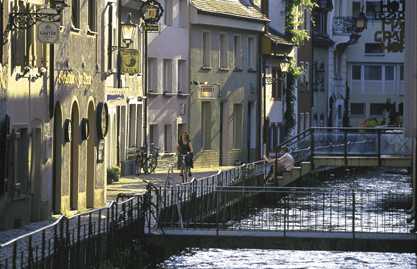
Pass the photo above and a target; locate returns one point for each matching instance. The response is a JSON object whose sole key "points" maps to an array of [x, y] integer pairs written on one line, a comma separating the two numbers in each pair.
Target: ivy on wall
{"points": [[298, 35]]}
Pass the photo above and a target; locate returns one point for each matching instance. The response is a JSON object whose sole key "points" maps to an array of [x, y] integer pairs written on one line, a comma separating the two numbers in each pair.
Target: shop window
{"points": [[92, 23], [75, 13], [378, 109], [153, 134], [168, 138], [206, 124]]}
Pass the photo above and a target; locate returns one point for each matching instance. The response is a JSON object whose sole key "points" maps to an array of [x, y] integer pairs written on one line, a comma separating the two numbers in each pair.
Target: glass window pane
{"points": [[356, 72], [373, 72], [389, 72]]}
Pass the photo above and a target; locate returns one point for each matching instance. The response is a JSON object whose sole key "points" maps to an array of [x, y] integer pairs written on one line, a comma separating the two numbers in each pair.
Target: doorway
{"points": [[75, 144], [57, 160], [91, 164]]}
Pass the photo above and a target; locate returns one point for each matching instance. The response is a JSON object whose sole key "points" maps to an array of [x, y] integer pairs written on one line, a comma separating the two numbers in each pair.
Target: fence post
{"points": [[285, 214], [217, 211], [312, 148], [353, 213], [378, 131], [345, 146]]}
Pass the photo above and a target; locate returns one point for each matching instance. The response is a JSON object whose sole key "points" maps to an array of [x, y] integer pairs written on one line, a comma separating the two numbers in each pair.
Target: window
{"points": [[356, 8], [389, 72], [320, 22], [152, 74], [276, 84], [223, 50], [236, 52], [168, 12], [374, 48], [153, 134], [132, 125], [373, 72], [167, 81], [372, 9], [206, 49], [357, 108], [75, 13], [138, 125], [181, 87], [237, 126], [182, 13], [402, 72], [206, 124], [378, 109], [356, 72], [92, 25], [110, 39], [251, 52], [168, 138], [401, 108]]}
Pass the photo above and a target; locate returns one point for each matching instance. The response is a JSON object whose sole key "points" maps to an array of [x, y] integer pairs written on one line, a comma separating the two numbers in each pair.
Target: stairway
{"points": [[295, 174]]}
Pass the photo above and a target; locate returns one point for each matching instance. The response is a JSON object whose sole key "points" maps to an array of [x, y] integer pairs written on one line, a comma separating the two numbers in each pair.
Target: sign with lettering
{"points": [[74, 78], [207, 92], [392, 34], [130, 61], [48, 32], [152, 28]]}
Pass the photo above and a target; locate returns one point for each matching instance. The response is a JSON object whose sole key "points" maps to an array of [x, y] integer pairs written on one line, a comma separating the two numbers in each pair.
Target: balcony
{"points": [[343, 25]]}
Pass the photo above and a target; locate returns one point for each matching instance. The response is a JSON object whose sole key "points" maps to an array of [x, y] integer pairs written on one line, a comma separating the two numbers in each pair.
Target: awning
{"points": [[410, 111]]}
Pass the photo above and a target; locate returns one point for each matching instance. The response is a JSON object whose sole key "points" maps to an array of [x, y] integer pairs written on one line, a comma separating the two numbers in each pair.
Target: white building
{"points": [[168, 83], [370, 67]]}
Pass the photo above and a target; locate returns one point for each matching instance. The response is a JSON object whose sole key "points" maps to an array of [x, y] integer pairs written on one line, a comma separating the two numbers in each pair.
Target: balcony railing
{"points": [[343, 25]]}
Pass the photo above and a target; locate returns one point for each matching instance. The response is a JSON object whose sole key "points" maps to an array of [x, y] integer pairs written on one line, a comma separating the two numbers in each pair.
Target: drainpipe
{"points": [[145, 92], [260, 100], [221, 133], [119, 44]]}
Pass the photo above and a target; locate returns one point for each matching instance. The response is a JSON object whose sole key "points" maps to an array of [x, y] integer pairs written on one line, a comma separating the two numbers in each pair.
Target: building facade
{"points": [[56, 117], [123, 87], [225, 76], [168, 77], [363, 71]]}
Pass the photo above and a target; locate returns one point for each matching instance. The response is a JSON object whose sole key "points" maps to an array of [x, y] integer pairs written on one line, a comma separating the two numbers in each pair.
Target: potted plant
{"points": [[113, 174]]}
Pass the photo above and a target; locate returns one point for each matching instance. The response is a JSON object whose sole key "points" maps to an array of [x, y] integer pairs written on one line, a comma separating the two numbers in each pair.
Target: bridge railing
{"points": [[84, 240], [325, 141], [300, 210]]}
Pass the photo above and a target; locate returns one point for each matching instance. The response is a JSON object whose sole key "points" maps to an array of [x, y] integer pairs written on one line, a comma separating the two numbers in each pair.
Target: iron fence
{"points": [[295, 210], [83, 241]]}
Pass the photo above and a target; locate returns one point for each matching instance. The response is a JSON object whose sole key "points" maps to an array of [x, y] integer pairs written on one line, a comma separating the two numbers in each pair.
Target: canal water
{"points": [[395, 181]]}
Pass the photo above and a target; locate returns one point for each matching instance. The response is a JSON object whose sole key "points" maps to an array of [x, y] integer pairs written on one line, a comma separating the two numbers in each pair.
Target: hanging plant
{"points": [[295, 19]]}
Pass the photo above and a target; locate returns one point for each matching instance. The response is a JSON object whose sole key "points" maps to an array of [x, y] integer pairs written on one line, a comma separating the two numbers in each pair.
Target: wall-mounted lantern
{"points": [[85, 129], [128, 30], [67, 131], [361, 23]]}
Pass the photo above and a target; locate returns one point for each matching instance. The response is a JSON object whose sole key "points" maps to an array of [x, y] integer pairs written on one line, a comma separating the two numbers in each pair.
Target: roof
{"points": [[234, 8], [278, 38]]}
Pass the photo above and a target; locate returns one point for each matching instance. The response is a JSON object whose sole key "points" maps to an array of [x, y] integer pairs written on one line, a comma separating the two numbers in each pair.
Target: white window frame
{"points": [[251, 58], [181, 76], [167, 77], [153, 74], [169, 13]]}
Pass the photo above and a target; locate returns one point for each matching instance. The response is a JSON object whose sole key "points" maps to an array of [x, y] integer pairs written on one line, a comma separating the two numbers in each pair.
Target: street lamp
{"points": [[128, 30]]}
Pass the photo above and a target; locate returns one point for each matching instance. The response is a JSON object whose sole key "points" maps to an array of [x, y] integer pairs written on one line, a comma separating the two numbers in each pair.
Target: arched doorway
{"points": [[57, 160], [91, 164], [75, 148]]}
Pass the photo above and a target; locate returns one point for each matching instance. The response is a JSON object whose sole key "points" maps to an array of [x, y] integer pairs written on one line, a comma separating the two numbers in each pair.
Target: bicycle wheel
{"points": [[145, 167], [153, 163]]}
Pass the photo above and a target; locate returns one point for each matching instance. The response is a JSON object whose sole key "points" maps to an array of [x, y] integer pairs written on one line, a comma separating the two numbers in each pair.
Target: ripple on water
{"points": [[284, 259]]}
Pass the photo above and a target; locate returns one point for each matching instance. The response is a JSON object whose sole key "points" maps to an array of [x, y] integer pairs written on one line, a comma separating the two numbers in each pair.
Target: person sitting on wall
{"points": [[285, 162]]}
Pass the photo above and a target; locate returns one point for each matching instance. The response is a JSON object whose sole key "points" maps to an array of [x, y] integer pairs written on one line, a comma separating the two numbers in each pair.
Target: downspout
{"points": [[119, 44], [261, 94], [145, 91]]}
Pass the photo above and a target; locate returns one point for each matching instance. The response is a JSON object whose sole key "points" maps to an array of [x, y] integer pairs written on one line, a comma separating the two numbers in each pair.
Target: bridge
{"points": [[323, 147], [243, 208]]}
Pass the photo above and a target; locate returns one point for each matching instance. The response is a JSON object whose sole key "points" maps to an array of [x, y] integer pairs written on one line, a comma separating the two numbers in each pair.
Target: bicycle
{"points": [[153, 158], [184, 167], [147, 162]]}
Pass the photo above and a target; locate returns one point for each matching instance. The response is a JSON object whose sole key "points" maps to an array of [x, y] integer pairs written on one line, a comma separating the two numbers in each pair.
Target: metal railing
{"points": [[299, 210], [325, 141], [82, 241]]}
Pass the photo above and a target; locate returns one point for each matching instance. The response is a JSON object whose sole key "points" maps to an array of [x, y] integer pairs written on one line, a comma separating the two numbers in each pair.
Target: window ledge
{"points": [[75, 29], [224, 69], [91, 33], [206, 68], [237, 69], [252, 70], [154, 93], [168, 93]]}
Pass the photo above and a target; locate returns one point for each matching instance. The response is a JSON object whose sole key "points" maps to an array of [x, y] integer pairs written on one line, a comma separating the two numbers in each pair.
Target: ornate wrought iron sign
{"points": [[392, 15]]}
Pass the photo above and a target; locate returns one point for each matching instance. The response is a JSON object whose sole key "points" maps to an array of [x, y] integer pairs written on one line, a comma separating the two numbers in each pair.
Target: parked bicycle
{"points": [[147, 162]]}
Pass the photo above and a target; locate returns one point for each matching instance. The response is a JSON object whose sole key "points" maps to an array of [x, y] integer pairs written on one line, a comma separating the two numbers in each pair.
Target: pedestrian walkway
{"points": [[137, 184]]}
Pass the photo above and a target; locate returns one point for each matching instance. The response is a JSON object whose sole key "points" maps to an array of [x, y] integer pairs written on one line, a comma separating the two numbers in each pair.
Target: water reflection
{"points": [[284, 259]]}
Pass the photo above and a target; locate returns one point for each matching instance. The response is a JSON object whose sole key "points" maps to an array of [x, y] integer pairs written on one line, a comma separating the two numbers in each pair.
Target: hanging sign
{"points": [[207, 92], [130, 61], [48, 32], [149, 27], [392, 33]]}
